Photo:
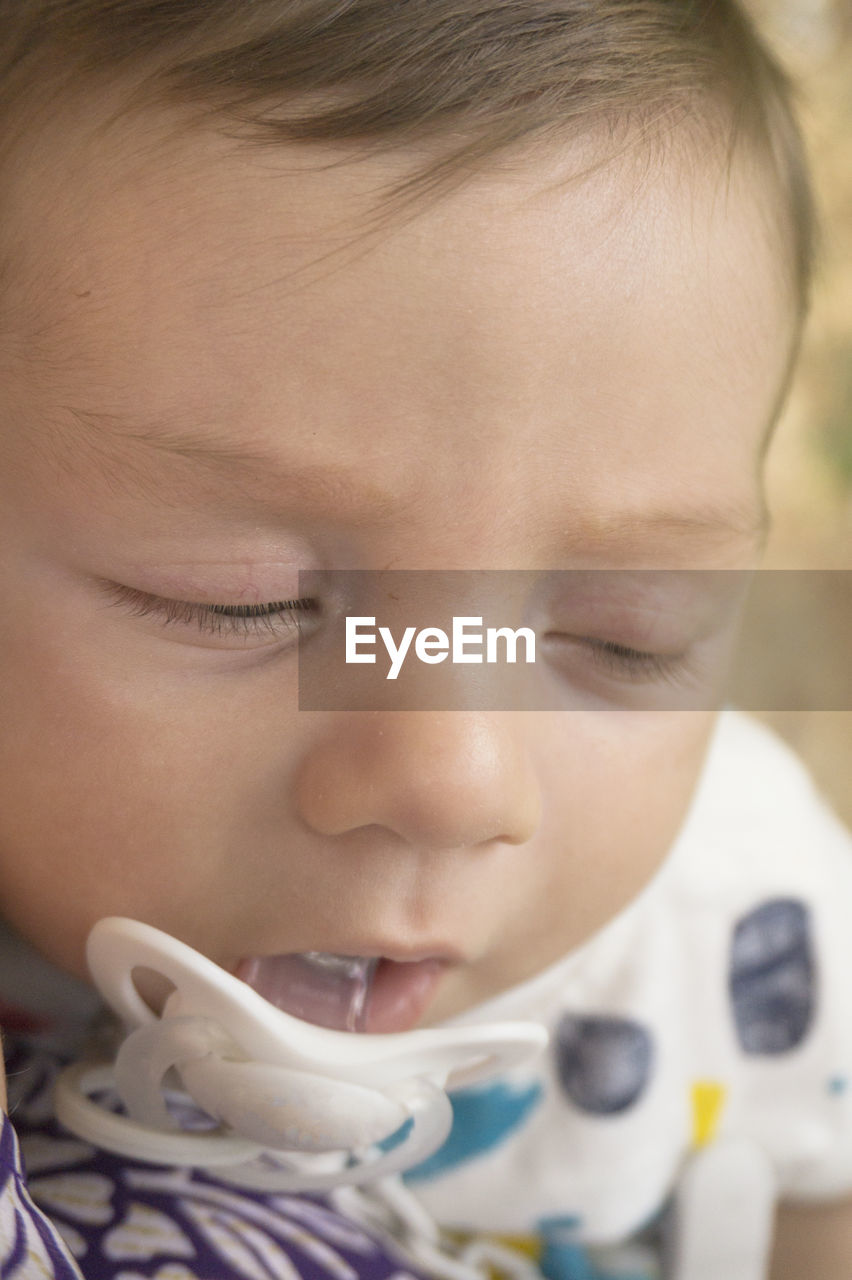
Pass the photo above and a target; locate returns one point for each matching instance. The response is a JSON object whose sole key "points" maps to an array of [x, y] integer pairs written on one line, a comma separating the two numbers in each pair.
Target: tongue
{"points": [[328, 990]]}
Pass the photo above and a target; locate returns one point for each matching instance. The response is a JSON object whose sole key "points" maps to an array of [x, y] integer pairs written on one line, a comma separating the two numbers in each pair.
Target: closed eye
{"points": [[637, 663], [277, 618]]}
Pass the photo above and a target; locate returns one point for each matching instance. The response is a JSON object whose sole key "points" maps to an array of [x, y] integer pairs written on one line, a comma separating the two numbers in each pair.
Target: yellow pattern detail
{"points": [[528, 1246], [708, 1098]]}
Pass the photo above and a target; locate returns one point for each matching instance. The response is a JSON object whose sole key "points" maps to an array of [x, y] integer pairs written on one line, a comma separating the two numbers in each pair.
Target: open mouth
{"points": [[345, 993]]}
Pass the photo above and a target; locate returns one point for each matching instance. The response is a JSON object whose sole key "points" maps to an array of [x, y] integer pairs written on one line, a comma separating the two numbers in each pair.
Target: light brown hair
{"points": [[462, 80]]}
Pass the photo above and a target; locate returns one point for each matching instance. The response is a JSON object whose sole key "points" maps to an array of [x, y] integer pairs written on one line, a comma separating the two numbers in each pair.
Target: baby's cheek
{"points": [[659, 768], [617, 803], [107, 801]]}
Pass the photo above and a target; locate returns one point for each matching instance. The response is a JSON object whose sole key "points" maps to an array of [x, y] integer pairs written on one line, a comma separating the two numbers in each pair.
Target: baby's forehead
{"points": [[218, 223], [611, 326]]}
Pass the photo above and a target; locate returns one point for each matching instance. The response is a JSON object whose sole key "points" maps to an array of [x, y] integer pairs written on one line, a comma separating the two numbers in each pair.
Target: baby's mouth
{"points": [[345, 993]]}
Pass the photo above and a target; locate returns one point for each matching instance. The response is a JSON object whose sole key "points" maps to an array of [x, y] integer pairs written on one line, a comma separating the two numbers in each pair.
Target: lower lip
{"points": [[398, 997], [401, 993]]}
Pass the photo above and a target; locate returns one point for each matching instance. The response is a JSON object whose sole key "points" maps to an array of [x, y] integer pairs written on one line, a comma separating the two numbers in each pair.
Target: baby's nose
{"points": [[436, 779]]}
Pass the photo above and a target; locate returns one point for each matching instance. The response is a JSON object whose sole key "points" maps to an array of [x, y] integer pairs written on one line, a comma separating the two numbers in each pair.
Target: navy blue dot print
{"points": [[603, 1063], [772, 977]]}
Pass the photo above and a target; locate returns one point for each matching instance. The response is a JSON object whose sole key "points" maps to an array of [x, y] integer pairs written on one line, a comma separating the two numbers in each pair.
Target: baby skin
{"points": [[568, 362]]}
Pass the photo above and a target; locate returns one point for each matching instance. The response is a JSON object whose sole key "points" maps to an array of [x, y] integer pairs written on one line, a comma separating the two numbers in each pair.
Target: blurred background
{"points": [[810, 465]]}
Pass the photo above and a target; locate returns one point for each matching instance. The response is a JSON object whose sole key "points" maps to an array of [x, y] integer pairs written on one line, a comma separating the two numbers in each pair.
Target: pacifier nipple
{"points": [[328, 990]]}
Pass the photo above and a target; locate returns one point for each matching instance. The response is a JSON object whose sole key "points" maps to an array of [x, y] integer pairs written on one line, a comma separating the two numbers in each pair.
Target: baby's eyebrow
{"points": [[721, 521], [205, 447], [610, 528], [199, 444], [345, 489], [314, 484]]}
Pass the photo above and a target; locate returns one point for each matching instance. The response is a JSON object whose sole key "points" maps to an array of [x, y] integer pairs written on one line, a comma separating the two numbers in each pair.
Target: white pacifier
{"points": [[296, 1107]]}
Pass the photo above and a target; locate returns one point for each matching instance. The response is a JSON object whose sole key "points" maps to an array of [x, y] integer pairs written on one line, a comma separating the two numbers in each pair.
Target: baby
{"points": [[422, 286]]}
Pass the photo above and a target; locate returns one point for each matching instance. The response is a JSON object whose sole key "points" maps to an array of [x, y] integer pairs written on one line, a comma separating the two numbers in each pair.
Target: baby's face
{"points": [[517, 378]]}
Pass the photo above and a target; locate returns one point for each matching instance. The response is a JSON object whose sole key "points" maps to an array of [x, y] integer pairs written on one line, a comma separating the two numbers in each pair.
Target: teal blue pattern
{"points": [[482, 1119]]}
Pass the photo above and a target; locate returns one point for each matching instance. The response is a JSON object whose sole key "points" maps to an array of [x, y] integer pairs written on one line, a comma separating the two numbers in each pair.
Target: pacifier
{"points": [[288, 1105]]}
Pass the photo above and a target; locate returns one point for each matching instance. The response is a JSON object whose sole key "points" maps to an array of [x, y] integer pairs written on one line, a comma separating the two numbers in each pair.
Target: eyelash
{"points": [[217, 619], [285, 615], [619, 659]]}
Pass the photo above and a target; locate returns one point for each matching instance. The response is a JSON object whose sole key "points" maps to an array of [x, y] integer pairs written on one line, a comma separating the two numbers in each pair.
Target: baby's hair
{"points": [[462, 81]]}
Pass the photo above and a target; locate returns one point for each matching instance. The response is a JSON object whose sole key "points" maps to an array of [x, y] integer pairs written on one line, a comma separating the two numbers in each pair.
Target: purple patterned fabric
{"points": [[29, 1244], [82, 1212]]}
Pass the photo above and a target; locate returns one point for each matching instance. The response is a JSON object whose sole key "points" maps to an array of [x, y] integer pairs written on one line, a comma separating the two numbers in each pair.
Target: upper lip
{"points": [[410, 957], [399, 954]]}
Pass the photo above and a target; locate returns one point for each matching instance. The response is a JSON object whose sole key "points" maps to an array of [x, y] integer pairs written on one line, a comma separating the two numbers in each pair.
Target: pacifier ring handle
{"points": [[238, 1160], [430, 1116], [76, 1109]]}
